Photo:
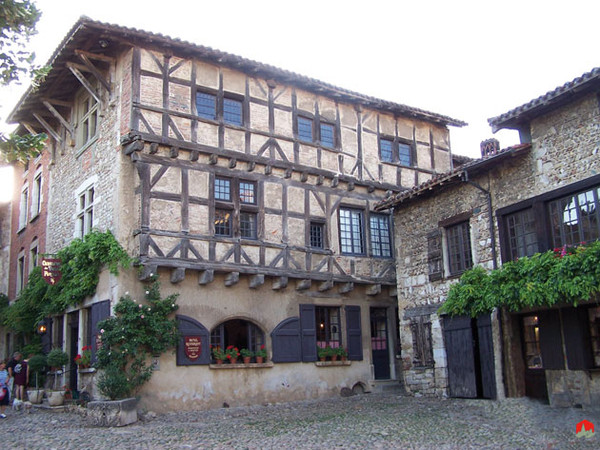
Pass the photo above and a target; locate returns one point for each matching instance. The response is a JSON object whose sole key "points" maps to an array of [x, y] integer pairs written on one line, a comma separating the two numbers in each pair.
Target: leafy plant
{"points": [[246, 353], [324, 352], [341, 352], [565, 275], [261, 352], [57, 358], [131, 338], [218, 353], [84, 359], [232, 352], [37, 367]]}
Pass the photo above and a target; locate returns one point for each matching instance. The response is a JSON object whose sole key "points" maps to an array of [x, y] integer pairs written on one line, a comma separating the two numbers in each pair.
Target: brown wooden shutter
{"points": [[354, 333], [578, 342], [434, 255], [551, 340], [286, 340]]}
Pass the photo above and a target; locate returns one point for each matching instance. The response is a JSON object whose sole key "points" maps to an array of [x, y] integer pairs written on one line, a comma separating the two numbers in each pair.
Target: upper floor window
{"points": [[381, 244], [351, 231], [522, 237], [33, 255], [86, 118], [20, 272], [459, 248], [85, 212], [327, 135], [324, 133], [209, 107], [575, 218], [36, 198], [236, 208], [23, 207], [395, 151], [305, 129], [317, 234]]}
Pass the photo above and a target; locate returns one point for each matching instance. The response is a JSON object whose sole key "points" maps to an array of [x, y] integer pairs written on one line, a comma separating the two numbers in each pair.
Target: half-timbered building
{"points": [[249, 190]]}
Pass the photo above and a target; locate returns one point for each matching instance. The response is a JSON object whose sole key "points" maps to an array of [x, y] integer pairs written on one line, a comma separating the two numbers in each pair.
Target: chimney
{"points": [[489, 147]]}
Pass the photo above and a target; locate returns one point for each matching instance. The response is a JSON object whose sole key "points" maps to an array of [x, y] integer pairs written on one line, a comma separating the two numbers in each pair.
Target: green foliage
{"points": [[16, 148], [57, 358], [37, 369], [131, 338], [566, 275], [33, 348], [17, 25], [82, 261]]}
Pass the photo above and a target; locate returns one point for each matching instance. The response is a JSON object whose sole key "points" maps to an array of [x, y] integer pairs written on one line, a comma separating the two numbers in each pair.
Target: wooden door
{"points": [[486, 356], [379, 343], [458, 338]]}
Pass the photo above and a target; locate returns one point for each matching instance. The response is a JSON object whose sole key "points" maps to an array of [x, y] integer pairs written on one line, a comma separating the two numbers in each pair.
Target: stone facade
{"points": [[563, 155]]}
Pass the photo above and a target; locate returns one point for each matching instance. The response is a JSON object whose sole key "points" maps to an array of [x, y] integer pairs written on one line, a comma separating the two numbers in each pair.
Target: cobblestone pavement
{"points": [[373, 421]]}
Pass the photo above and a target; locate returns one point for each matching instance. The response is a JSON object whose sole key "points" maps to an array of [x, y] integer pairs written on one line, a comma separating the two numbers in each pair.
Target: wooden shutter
{"points": [[99, 311], [286, 341], [308, 331], [486, 356], [354, 333], [551, 340], [434, 255], [578, 342], [458, 340], [191, 327]]}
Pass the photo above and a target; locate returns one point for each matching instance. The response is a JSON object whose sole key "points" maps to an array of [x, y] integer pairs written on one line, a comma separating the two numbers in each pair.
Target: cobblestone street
{"points": [[382, 421]]}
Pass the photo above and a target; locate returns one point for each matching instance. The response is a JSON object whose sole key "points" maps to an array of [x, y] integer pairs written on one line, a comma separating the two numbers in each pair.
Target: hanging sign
{"points": [[192, 346], [51, 270]]}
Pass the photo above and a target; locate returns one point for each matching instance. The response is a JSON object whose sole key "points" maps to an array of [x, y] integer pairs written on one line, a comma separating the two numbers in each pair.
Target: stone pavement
{"points": [[369, 421]]}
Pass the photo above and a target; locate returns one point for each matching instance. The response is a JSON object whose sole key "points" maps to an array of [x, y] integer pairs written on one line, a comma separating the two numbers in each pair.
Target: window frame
{"points": [[458, 245], [377, 238], [86, 113], [239, 210], [20, 280], [320, 225], [24, 207], [36, 200], [309, 123], [220, 110], [326, 319], [422, 342], [85, 211], [255, 336], [352, 232], [394, 155]]}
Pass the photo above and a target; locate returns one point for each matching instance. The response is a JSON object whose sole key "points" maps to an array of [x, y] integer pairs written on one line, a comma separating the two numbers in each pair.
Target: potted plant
{"points": [[261, 354], [342, 353], [324, 352], [219, 354], [37, 368], [232, 354], [57, 359], [246, 355], [84, 359]]}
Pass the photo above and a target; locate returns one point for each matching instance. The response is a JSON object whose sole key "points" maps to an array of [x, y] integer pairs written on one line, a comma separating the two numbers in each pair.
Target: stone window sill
{"points": [[88, 370], [332, 363], [228, 366]]}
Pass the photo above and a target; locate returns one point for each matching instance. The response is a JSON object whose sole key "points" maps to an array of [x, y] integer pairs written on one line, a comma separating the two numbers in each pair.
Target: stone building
{"points": [[536, 196], [250, 191]]}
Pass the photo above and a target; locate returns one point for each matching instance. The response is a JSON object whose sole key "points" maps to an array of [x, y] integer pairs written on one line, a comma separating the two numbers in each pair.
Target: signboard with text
{"points": [[192, 346], [51, 270]]}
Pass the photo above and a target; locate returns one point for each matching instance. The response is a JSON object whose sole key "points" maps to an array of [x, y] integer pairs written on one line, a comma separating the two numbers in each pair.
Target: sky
{"points": [[470, 60]]}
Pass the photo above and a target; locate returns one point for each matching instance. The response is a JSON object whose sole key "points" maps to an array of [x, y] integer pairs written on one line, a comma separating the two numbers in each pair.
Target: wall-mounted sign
{"points": [[51, 270], [192, 346]]}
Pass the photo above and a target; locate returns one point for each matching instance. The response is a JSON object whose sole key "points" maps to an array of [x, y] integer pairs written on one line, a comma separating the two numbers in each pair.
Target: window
{"points": [[395, 151], [236, 208], [531, 342], [380, 235], [351, 231], [317, 235], [20, 272], [85, 212], [33, 256], [327, 135], [435, 260], [207, 106], [239, 333], [305, 129], [459, 248], [522, 238], [36, 200], [421, 335], [87, 118], [575, 218], [328, 326], [23, 207]]}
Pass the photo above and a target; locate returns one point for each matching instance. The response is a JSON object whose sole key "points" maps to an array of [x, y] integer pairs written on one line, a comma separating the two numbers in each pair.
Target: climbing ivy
{"points": [[131, 338], [563, 275], [81, 263]]}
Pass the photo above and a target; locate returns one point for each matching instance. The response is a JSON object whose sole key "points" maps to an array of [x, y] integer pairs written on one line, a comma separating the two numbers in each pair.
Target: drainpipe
{"points": [[465, 176]]}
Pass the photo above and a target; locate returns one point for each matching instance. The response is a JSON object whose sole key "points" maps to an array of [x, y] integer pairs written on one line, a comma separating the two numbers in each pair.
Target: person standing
{"points": [[4, 378], [21, 379], [16, 359]]}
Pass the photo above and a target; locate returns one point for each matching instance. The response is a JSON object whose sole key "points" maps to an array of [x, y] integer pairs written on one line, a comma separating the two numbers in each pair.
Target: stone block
{"points": [[112, 413]]}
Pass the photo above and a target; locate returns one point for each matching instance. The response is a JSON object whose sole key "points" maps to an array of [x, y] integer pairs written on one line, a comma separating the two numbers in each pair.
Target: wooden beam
{"points": [[57, 102], [48, 128], [232, 278], [206, 277], [135, 146], [29, 127], [96, 56], [345, 288], [257, 281], [303, 285], [279, 283], [86, 84], [393, 291], [177, 275], [326, 286], [374, 289], [84, 56], [153, 148]]}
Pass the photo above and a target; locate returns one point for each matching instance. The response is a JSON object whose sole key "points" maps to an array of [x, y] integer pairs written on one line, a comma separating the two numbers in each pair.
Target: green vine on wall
{"points": [[131, 338], [563, 275], [81, 263]]}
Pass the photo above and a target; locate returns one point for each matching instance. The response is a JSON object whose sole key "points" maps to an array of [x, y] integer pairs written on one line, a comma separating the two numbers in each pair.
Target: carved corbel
{"points": [[326, 286], [257, 281], [206, 277], [303, 285], [148, 271], [177, 275], [374, 289], [232, 278], [279, 283], [346, 288]]}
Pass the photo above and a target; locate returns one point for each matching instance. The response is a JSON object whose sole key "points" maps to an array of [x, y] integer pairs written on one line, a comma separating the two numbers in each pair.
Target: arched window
{"points": [[239, 333]]}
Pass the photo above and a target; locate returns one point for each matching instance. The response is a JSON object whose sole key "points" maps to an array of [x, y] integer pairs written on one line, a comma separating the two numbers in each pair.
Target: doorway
{"points": [[379, 344]]}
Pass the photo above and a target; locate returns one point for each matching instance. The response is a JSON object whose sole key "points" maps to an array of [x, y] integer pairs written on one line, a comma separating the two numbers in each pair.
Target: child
{"points": [[4, 377]]}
